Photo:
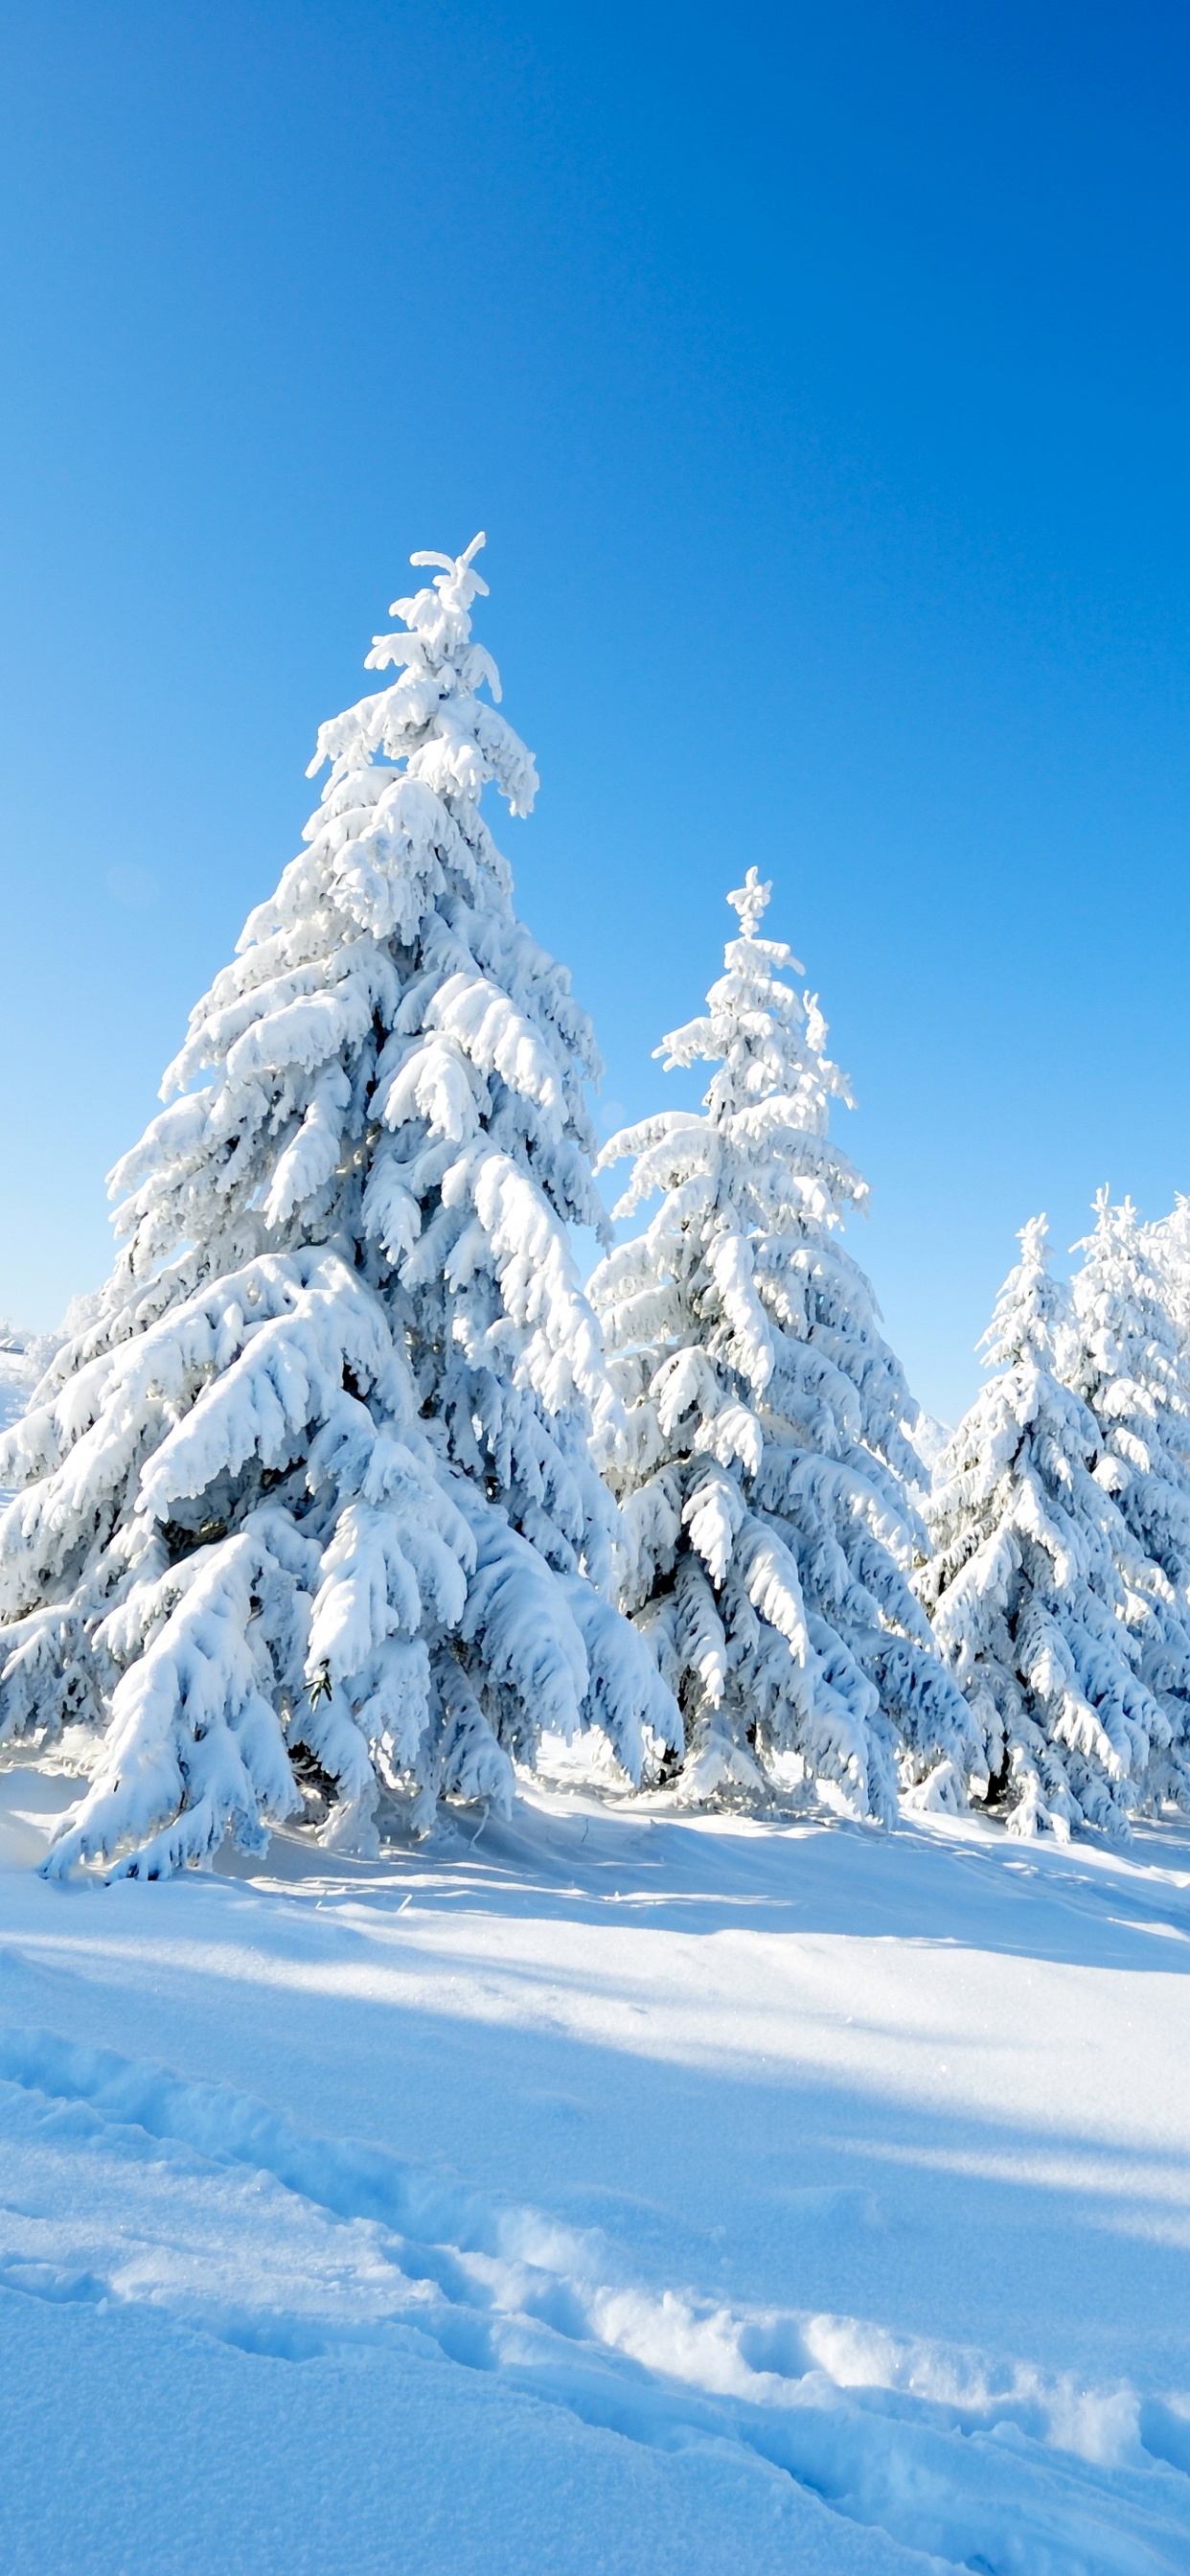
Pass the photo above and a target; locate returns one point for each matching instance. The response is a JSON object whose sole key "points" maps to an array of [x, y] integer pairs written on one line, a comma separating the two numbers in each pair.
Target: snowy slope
{"points": [[614, 2195]]}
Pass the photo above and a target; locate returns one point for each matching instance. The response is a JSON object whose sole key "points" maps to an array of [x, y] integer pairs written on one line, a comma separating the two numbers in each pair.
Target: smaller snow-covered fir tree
{"points": [[1127, 1361], [308, 1497], [1025, 1589], [19, 1372], [764, 1471], [1167, 1247]]}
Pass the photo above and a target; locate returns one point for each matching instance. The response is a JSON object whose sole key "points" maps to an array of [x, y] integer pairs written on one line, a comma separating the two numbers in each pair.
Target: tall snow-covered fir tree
{"points": [[1028, 1585], [1128, 1362], [764, 1470], [310, 1498]]}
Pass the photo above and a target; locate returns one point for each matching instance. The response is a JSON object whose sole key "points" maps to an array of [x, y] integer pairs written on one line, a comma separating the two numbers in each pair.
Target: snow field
{"points": [[615, 2193]]}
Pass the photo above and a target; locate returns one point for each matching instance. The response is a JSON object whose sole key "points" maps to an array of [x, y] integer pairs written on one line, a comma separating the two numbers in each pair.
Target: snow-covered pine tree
{"points": [[18, 1373], [1127, 1360], [1024, 1586], [312, 1489], [1167, 1245], [764, 1468]]}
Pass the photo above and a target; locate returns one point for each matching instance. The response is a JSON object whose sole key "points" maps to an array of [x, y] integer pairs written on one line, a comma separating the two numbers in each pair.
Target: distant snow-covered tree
{"points": [[19, 1354], [310, 1495], [1167, 1246], [765, 1468], [1026, 1586], [1127, 1360]]}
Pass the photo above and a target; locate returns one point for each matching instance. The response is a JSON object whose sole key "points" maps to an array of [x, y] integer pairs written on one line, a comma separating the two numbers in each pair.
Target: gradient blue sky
{"points": [[820, 376]]}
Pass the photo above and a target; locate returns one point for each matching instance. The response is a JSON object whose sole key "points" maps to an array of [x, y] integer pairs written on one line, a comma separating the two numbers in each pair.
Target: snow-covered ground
{"points": [[602, 2194]]}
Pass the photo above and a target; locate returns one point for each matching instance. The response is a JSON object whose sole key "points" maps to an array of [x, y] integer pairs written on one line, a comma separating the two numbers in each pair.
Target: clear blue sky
{"points": [[820, 376]]}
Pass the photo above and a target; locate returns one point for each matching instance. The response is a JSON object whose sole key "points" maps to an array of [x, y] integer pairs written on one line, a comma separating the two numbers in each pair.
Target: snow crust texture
{"points": [[309, 1506]]}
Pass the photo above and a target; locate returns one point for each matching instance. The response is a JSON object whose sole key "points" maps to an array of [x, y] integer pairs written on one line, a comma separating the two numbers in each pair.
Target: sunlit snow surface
{"points": [[608, 2195]]}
